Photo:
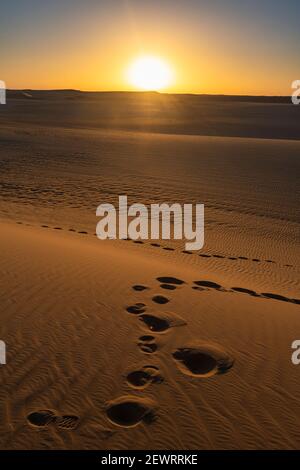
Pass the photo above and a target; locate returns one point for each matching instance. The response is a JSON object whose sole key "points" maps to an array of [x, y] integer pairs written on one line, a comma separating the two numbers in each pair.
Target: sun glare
{"points": [[149, 73]]}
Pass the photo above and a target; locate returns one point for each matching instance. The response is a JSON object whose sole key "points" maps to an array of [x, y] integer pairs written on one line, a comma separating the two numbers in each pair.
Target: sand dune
{"points": [[238, 116], [195, 364], [145, 345], [249, 187]]}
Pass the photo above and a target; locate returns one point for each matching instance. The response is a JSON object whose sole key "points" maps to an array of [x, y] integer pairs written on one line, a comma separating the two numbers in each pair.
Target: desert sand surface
{"points": [[141, 345]]}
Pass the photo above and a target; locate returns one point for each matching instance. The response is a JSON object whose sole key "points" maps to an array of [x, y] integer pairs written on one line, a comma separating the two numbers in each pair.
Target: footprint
{"points": [[186, 252], [160, 299], [167, 286], [144, 377], [170, 280], [83, 232], [147, 344], [211, 284], [57, 228], [139, 287], [204, 360], [219, 256], [139, 242], [205, 256], [243, 257], [41, 418], [67, 422], [156, 245], [276, 297], [148, 348], [245, 291], [137, 308], [159, 324], [147, 338], [167, 248], [128, 411], [154, 323]]}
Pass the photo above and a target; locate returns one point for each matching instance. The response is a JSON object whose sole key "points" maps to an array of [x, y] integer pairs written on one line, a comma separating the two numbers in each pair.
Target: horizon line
{"points": [[247, 95]]}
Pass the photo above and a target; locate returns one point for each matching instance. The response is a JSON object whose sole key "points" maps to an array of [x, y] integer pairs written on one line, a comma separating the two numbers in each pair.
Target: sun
{"points": [[149, 73]]}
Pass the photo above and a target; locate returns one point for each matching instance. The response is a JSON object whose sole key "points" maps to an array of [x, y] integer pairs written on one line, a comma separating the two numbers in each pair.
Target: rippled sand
{"points": [[116, 344]]}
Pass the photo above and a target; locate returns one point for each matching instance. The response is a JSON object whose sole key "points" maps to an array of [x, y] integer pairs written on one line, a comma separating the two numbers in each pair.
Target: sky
{"points": [[212, 46]]}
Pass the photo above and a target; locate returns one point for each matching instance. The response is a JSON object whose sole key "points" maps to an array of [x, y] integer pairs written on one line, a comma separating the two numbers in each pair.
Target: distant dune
{"points": [[70, 93], [240, 116]]}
